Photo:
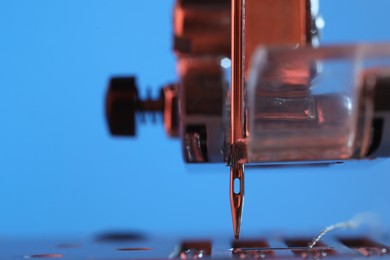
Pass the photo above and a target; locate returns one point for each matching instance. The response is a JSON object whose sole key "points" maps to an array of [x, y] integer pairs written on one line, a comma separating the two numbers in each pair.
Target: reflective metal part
{"points": [[252, 249], [171, 110], [289, 105], [196, 249], [251, 21], [216, 246], [192, 254], [301, 247], [195, 144], [300, 252], [237, 198], [365, 246], [202, 28], [201, 93], [236, 113], [275, 23]]}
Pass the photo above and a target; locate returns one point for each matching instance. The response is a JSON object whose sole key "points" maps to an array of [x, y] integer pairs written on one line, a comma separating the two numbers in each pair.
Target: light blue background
{"points": [[61, 172]]}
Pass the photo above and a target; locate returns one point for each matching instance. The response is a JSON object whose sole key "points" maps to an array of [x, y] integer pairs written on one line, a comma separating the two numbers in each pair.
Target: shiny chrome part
{"points": [[201, 94], [202, 27], [290, 21], [236, 113], [195, 149], [196, 249], [317, 22], [252, 249], [171, 110], [217, 246], [237, 197], [207, 35], [251, 20], [365, 246]]}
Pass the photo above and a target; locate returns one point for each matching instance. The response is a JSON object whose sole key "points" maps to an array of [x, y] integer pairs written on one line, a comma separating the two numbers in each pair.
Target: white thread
{"points": [[347, 224], [355, 222]]}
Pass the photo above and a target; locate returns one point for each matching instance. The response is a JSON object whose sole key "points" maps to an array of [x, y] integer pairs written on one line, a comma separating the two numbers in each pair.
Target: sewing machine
{"points": [[286, 100], [290, 102]]}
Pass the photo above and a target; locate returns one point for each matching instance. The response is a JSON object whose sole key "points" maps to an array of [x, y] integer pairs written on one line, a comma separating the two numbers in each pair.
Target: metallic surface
{"points": [[237, 196], [201, 30], [186, 247], [275, 22], [236, 113], [202, 27], [171, 113], [256, 23], [201, 90]]}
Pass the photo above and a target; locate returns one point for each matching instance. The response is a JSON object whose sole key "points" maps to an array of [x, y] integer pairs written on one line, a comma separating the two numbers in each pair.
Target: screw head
{"points": [[121, 105]]}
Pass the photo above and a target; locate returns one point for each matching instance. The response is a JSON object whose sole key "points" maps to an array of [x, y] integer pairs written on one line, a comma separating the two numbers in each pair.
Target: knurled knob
{"points": [[122, 102]]}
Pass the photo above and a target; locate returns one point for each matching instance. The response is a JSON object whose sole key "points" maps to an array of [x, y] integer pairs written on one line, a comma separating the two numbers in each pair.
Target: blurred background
{"points": [[62, 173]]}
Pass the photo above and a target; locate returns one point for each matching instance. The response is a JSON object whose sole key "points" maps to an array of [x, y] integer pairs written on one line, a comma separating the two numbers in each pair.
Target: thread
{"points": [[355, 222]]}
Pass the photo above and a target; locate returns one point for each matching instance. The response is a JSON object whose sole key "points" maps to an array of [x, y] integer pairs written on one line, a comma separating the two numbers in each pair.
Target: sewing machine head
{"points": [[255, 89]]}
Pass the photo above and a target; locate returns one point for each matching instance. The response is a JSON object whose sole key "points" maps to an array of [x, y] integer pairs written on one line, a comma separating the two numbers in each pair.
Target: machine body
{"points": [[255, 89]]}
